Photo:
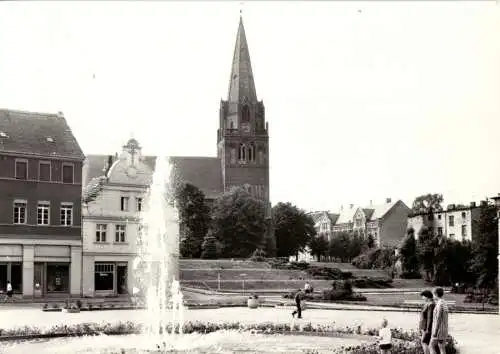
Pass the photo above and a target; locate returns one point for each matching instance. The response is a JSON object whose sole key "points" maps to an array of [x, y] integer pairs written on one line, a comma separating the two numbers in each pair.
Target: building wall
{"points": [[31, 243], [106, 209], [393, 226]]}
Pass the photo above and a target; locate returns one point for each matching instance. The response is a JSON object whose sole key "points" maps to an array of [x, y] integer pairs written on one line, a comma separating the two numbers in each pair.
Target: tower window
{"points": [[242, 152], [245, 114], [251, 152]]}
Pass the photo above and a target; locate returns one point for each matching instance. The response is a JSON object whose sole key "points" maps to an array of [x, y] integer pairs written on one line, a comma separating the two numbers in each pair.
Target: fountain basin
{"points": [[223, 341]]}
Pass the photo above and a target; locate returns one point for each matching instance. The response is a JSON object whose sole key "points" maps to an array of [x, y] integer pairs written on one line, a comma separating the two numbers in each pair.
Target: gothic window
{"points": [[231, 125], [233, 155], [242, 152], [251, 153], [245, 114]]}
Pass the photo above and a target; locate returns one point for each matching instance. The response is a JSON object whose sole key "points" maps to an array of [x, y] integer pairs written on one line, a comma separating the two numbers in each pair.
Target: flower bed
{"points": [[405, 342]]}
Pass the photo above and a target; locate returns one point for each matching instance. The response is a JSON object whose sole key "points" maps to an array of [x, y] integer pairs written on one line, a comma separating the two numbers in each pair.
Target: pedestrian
{"points": [[385, 338], [298, 299], [439, 332], [9, 290], [426, 316]]}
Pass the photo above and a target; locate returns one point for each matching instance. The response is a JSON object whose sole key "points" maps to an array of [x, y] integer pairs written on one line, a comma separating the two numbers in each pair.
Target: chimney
{"points": [[60, 114], [371, 202], [341, 207], [472, 204], [388, 200], [351, 206], [484, 203]]}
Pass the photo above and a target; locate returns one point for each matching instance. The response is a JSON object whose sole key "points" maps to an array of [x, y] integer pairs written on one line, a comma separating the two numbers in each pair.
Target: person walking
{"points": [[426, 316], [9, 290], [439, 331], [298, 299]]}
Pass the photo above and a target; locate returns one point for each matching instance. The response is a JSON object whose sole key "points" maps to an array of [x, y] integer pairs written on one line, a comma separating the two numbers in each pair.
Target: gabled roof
{"points": [[333, 217], [42, 134], [346, 216], [202, 172]]}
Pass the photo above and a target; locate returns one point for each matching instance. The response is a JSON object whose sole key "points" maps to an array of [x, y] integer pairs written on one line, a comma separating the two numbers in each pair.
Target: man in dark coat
{"points": [[298, 298]]}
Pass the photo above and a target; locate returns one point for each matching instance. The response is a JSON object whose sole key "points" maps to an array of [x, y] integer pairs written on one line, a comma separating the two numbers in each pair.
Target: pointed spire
{"points": [[241, 83]]}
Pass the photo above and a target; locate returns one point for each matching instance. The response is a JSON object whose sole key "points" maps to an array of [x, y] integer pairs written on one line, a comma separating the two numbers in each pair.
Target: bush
{"points": [[259, 255], [375, 258], [411, 275], [328, 273], [78, 303], [209, 247]]}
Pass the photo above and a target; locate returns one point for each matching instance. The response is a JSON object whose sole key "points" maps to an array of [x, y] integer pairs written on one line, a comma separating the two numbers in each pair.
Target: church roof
{"points": [[202, 172], [241, 82], [42, 134]]}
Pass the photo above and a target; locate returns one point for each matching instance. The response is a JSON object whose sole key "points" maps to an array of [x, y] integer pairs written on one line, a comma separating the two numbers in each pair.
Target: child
{"points": [[385, 336]]}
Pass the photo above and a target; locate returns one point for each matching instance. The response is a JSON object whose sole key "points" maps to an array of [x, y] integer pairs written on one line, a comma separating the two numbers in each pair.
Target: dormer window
{"points": [[3, 135]]}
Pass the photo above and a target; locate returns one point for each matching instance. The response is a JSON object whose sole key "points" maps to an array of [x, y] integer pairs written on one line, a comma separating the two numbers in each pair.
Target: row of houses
{"points": [[388, 223]]}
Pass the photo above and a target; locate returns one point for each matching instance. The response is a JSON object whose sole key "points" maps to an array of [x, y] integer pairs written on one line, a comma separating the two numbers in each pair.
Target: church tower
{"points": [[243, 136]]}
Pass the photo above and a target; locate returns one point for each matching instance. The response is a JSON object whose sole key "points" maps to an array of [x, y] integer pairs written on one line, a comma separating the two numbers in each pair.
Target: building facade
{"points": [[386, 223], [455, 222], [111, 223], [323, 223], [40, 205]]}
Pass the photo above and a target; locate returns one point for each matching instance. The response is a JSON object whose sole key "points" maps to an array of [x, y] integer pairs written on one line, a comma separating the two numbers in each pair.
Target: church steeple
{"points": [[241, 83]]}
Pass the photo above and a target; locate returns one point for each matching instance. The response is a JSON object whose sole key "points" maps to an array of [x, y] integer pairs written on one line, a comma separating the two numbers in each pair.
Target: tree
{"points": [[428, 203], [339, 246], [319, 246], [408, 253], [294, 229], [238, 223], [485, 247], [209, 247], [194, 218], [370, 242], [426, 245], [356, 244]]}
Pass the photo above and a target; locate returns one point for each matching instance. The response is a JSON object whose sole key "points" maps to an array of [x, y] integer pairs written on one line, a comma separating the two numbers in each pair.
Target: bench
{"points": [[412, 304]]}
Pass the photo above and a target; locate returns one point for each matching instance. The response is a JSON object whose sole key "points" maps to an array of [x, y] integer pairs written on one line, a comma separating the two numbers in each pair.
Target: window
{"points": [[464, 231], [430, 217], [452, 236], [245, 114], [104, 276], [43, 213], [44, 171], [431, 230], [66, 214], [251, 153], [124, 203], [21, 169], [439, 217], [68, 173], [100, 232], [242, 153], [120, 233], [451, 220], [20, 212], [138, 202], [440, 231]]}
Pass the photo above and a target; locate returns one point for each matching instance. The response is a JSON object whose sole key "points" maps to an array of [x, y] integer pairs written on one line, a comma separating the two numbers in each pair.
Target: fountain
{"points": [[157, 258]]}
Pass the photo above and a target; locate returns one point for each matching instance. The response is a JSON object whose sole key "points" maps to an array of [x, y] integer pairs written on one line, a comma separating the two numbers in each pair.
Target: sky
{"points": [[365, 100]]}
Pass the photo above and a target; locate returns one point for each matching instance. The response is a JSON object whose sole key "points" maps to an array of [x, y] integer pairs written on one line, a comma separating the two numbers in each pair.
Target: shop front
{"points": [[11, 272], [51, 278], [110, 278]]}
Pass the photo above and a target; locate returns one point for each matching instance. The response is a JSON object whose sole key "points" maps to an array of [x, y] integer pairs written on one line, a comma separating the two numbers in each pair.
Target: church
{"points": [[242, 142]]}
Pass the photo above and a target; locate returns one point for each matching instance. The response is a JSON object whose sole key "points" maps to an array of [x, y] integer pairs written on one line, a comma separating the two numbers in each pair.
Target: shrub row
{"points": [[375, 258], [410, 339]]}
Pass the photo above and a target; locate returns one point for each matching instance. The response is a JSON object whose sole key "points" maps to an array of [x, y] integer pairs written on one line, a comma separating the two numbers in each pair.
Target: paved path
{"points": [[475, 333]]}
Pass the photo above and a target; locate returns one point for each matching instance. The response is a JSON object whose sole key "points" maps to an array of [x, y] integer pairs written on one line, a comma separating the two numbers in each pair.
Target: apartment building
{"points": [[456, 222], [40, 205]]}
